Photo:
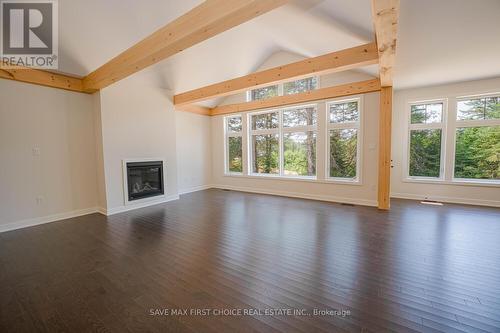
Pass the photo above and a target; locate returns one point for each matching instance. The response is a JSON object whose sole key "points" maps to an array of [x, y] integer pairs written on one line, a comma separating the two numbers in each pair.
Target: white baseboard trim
{"points": [[195, 189], [102, 211], [121, 209], [66, 215], [329, 198], [462, 201], [47, 219]]}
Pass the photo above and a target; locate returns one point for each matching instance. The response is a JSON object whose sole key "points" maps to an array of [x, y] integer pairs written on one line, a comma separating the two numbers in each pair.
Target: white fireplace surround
{"points": [[157, 198]]}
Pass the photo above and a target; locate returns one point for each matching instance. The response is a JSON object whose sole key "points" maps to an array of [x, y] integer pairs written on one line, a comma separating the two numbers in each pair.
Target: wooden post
{"points": [[384, 150]]}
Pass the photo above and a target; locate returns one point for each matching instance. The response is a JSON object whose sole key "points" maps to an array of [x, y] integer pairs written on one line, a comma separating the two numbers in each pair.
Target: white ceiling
{"points": [[91, 32], [443, 41], [439, 40]]}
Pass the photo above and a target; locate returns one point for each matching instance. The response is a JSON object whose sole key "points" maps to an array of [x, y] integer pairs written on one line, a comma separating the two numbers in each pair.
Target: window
{"points": [[479, 108], [264, 92], [287, 88], [299, 86], [299, 141], [283, 142], [425, 140], [265, 143], [344, 119], [234, 152], [477, 139], [473, 149]]}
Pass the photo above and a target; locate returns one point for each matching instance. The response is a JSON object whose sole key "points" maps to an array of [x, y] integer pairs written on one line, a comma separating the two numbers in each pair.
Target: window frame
{"points": [[280, 130], [298, 129], [268, 131], [249, 92], [358, 125], [281, 87], [443, 125], [455, 124], [227, 135]]}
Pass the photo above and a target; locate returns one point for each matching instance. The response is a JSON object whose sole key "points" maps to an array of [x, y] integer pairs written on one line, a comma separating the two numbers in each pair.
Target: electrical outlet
{"points": [[39, 200], [36, 151]]}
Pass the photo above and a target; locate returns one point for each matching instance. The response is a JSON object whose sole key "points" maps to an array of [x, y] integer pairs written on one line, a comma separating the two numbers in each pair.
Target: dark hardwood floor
{"points": [[417, 268]]}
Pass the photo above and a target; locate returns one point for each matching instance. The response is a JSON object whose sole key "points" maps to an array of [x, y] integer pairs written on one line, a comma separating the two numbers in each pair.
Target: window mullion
{"points": [[426, 126], [281, 146], [448, 137], [299, 129], [265, 131], [478, 123], [350, 125]]}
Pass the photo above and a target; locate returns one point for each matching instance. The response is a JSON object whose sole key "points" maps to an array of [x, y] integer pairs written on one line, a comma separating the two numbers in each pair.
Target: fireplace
{"points": [[144, 179]]}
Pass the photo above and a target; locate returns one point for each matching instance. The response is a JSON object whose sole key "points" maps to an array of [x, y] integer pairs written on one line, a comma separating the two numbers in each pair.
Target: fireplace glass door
{"points": [[145, 179]]}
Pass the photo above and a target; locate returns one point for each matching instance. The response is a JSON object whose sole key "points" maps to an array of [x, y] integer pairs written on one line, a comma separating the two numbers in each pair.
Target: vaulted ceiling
{"points": [[439, 41]]}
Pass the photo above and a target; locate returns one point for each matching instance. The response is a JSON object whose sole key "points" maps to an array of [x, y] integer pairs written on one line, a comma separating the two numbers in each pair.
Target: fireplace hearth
{"points": [[144, 179]]}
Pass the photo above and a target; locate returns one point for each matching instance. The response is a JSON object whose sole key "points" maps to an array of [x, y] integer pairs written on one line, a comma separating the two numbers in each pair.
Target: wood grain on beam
{"points": [[385, 20], [313, 95], [194, 109], [332, 62], [384, 150], [201, 23], [41, 77]]}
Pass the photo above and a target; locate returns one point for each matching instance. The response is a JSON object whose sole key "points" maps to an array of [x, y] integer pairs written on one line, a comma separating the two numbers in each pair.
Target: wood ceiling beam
{"points": [[385, 21], [201, 23], [313, 95], [42, 78], [194, 109], [355, 57]]}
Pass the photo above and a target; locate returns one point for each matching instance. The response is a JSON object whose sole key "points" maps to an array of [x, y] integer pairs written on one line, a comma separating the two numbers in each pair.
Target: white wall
{"points": [[83, 140], [101, 181], [194, 151], [138, 121], [449, 192], [63, 176]]}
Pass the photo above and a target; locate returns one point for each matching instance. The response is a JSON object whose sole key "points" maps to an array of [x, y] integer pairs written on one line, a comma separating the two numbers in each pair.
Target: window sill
{"points": [[460, 182], [235, 174], [298, 179], [278, 177], [346, 181], [476, 182]]}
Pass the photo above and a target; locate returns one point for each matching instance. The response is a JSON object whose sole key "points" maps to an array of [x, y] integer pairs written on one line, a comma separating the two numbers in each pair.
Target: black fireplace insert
{"points": [[145, 179]]}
